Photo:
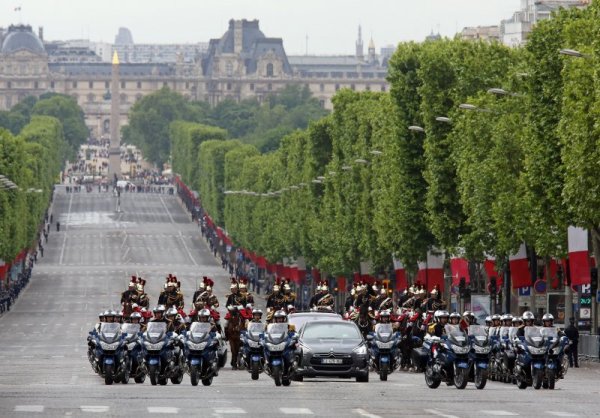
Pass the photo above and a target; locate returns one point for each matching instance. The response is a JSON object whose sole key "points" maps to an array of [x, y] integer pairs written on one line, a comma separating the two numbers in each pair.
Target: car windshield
{"points": [[533, 336], [336, 331], [299, 319]]}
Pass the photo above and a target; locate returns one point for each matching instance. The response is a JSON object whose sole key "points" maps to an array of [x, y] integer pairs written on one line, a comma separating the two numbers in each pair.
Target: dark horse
{"points": [[235, 325], [363, 320]]}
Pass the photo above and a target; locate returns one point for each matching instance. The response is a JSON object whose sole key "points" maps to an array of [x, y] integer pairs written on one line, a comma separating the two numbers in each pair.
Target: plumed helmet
{"points": [[528, 316], [324, 286], [234, 284]]}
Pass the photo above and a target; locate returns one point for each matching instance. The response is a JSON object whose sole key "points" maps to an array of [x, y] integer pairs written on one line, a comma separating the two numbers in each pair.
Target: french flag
{"points": [[519, 268], [401, 282], [431, 272], [460, 268], [490, 269], [579, 259]]}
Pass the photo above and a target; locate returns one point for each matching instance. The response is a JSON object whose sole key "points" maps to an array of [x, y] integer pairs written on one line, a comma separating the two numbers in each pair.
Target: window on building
{"points": [[123, 84], [368, 87], [269, 70], [322, 103], [352, 86], [383, 87], [228, 86], [91, 84], [252, 86], [138, 97], [9, 84], [123, 98], [106, 126], [139, 84], [187, 85], [165, 84], [270, 87], [229, 68], [322, 87], [91, 98], [337, 87], [52, 84], [36, 85], [74, 84], [106, 85]]}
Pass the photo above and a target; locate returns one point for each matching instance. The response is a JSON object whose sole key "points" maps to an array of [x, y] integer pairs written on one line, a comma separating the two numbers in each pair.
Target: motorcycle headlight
{"points": [[383, 345], [106, 346], [197, 346], [460, 350], [253, 344], [276, 347], [157, 346], [481, 350], [361, 350], [537, 350]]}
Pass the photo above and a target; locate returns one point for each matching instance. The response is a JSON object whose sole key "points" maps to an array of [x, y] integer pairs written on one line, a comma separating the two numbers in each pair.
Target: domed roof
{"points": [[22, 37]]}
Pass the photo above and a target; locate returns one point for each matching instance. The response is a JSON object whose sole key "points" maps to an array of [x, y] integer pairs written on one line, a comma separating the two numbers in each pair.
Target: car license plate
{"points": [[331, 361]]}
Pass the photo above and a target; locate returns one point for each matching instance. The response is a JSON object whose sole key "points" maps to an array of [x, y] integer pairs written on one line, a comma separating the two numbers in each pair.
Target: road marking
{"points": [[162, 410], [296, 411], [187, 249], [62, 251], [29, 408], [499, 413], [125, 254], [364, 413], [439, 414], [124, 240], [94, 408], [232, 410], [561, 414], [167, 209], [74, 378], [58, 356]]}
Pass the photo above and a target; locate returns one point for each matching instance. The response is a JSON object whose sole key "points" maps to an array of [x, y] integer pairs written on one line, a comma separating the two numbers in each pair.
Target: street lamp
{"points": [[502, 92], [573, 53], [376, 152], [416, 128], [346, 168], [361, 161], [317, 181], [321, 178], [467, 106], [332, 173]]}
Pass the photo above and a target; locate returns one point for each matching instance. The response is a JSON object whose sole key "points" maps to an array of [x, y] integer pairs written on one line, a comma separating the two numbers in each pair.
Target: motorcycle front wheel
{"points": [[207, 381], [383, 372], [108, 374], [177, 379], [255, 370], [194, 378], [538, 378], [480, 378], [551, 379], [431, 380], [153, 373], [461, 378], [276, 372]]}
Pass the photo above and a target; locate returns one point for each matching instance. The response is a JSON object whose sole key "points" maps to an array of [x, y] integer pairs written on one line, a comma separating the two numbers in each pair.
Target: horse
{"points": [[363, 320], [235, 325]]}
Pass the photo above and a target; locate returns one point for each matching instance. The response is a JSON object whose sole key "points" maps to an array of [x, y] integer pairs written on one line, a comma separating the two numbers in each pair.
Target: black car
{"points": [[300, 318], [332, 349]]}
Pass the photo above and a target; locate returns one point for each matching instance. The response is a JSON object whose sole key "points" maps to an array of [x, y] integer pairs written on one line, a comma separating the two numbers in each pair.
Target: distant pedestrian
{"points": [[51, 218], [46, 235], [41, 250], [573, 334], [57, 226]]}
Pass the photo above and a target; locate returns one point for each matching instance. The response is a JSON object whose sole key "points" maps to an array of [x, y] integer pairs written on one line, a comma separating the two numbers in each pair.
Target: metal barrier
{"points": [[588, 347]]}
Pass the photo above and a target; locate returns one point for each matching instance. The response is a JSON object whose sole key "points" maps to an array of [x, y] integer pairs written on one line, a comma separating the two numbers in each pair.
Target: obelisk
{"points": [[114, 158]]}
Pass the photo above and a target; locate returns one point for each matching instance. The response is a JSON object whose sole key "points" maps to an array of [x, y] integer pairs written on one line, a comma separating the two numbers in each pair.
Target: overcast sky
{"points": [[331, 25]]}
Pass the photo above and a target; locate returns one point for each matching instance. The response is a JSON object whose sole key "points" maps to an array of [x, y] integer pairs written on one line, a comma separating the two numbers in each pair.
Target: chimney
{"points": [[41, 33], [238, 36]]}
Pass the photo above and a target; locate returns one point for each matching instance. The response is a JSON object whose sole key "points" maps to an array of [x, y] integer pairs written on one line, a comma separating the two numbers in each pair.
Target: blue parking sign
{"points": [[525, 291]]}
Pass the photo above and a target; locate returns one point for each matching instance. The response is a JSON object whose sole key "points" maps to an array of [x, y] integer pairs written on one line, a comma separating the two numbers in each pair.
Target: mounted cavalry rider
{"points": [[275, 301], [171, 295], [247, 297], [325, 301], [130, 296], [234, 298]]}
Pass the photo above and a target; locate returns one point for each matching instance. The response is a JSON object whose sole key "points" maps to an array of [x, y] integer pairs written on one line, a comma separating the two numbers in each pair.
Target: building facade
{"points": [[242, 64]]}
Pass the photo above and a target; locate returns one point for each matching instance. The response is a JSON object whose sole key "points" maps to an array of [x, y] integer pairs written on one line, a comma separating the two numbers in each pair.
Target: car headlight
{"points": [[106, 346], [197, 346], [150, 346], [361, 350], [459, 350], [481, 350], [383, 345], [276, 347]]}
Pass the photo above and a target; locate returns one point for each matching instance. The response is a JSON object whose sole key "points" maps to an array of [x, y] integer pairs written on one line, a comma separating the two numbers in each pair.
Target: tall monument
{"points": [[114, 160]]}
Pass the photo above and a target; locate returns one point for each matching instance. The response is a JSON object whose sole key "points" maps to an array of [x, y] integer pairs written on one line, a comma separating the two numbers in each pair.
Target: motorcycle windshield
{"points": [[533, 336], [512, 334], [384, 332], [455, 335], [110, 332], [478, 333], [504, 332], [254, 330], [276, 333], [156, 331], [549, 333], [199, 331], [131, 330]]}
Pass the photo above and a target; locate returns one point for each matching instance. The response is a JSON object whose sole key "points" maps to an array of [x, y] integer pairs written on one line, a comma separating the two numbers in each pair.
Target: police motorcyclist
{"points": [[280, 317], [528, 321], [159, 314], [454, 318], [441, 319]]}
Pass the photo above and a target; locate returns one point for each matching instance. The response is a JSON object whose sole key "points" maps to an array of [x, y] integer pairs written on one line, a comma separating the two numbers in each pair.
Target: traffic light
{"points": [[594, 277], [493, 286]]}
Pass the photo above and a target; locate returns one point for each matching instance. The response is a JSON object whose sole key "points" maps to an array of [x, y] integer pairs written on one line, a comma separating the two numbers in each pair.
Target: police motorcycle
{"points": [[137, 368], [279, 347], [556, 362], [531, 358], [383, 344], [495, 365], [253, 351], [162, 355], [200, 349], [479, 355], [448, 359], [111, 358]]}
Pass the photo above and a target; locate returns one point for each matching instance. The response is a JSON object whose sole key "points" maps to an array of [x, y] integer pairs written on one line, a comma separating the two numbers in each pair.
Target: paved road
{"points": [[44, 370]]}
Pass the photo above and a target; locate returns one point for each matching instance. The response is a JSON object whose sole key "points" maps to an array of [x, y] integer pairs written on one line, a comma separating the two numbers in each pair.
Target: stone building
{"points": [[242, 64]]}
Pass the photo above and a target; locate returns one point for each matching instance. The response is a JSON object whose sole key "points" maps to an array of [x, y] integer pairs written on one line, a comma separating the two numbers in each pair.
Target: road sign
{"points": [[525, 291], [585, 313], [585, 289], [540, 286]]}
